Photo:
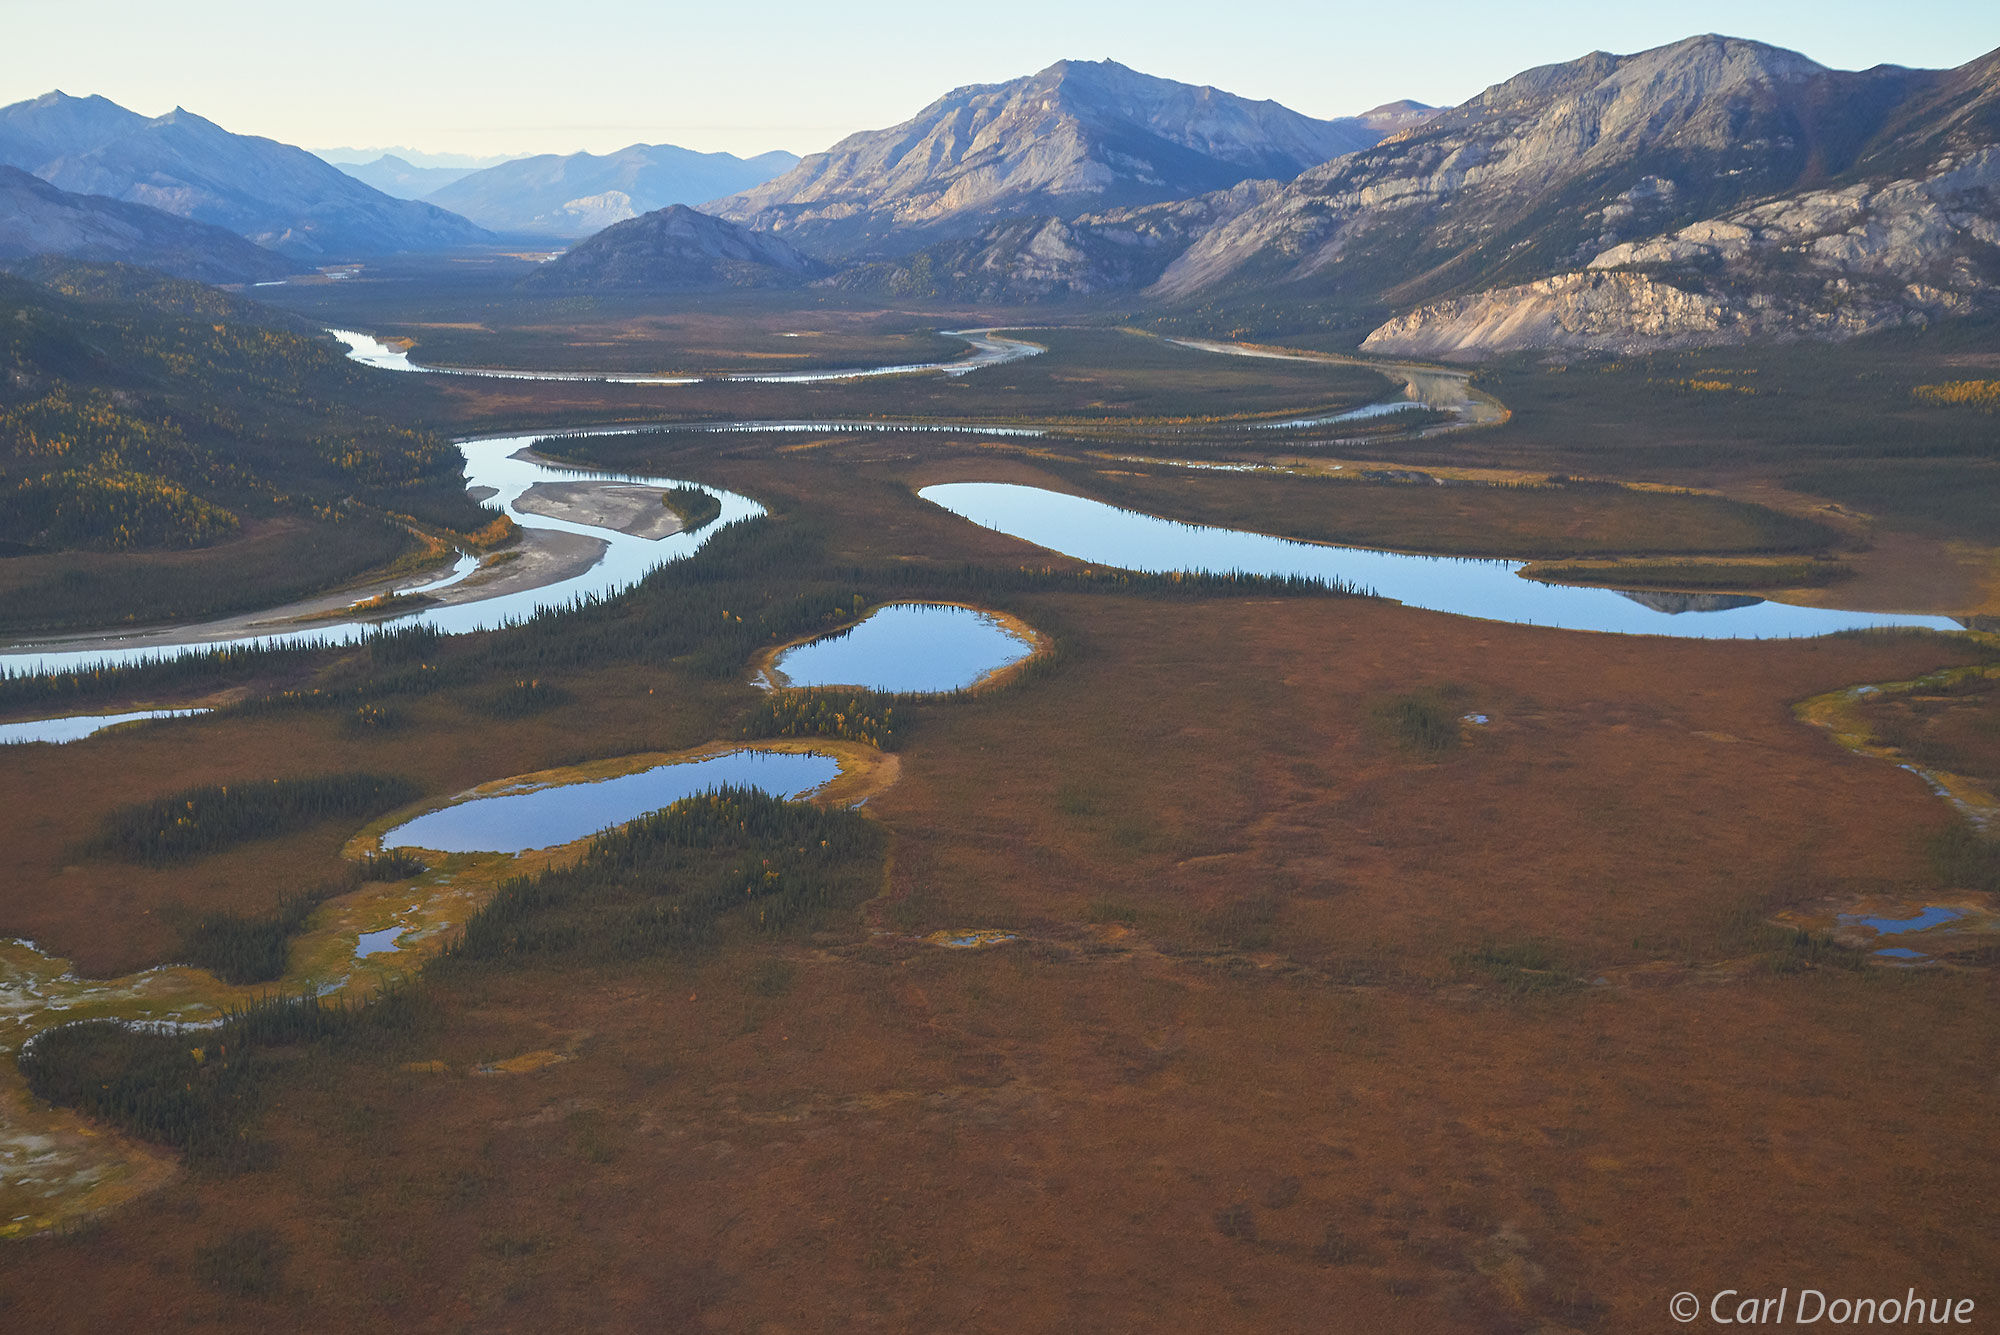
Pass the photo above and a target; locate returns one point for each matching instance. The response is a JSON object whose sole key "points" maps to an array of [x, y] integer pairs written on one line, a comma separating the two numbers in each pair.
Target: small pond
{"points": [[379, 943], [516, 820], [1931, 915], [906, 647]]}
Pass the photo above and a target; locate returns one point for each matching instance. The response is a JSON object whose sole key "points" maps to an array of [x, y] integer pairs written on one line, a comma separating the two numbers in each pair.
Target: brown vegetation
{"points": [[1302, 1026]]}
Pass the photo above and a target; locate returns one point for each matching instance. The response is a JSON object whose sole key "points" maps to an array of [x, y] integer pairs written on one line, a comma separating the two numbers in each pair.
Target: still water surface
{"points": [[1107, 535], [543, 817], [988, 349], [906, 647], [77, 727]]}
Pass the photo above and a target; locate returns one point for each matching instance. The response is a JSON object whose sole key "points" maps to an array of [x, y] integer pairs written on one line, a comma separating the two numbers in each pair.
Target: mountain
{"points": [[1077, 137], [56, 125], [1396, 117], [38, 219], [1042, 258], [1819, 264], [1908, 233], [395, 176], [276, 195], [416, 157], [675, 249], [1548, 169], [576, 194]]}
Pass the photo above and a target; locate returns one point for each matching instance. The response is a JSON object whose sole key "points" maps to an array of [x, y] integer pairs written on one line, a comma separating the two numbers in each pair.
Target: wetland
{"points": [[1173, 928]]}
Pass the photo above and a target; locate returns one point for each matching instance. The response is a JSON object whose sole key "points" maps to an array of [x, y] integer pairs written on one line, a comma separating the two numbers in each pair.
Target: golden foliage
{"points": [[1982, 394]]}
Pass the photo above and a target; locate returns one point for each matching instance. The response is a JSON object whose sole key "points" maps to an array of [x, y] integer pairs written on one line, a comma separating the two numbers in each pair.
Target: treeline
{"points": [[194, 1087], [755, 583], [1982, 394], [868, 717], [205, 669], [81, 590], [244, 948], [212, 817], [136, 411], [668, 880], [107, 509], [1697, 575], [697, 509]]}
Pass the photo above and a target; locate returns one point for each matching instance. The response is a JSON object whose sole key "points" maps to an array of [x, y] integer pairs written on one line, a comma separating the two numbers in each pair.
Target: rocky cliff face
{"points": [[1596, 312], [278, 196], [1049, 258], [1543, 171], [38, 219], [1817, 264], [676, 249], [1077, 137], [1706, 191]]}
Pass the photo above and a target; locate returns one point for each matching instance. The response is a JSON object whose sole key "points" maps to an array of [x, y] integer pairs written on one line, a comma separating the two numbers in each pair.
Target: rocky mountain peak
{"points": [[1078, 135], [1550, 166]]}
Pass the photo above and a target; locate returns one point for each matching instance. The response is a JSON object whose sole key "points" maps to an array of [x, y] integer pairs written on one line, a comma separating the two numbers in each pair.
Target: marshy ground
{"points": [[1316, 1004]]}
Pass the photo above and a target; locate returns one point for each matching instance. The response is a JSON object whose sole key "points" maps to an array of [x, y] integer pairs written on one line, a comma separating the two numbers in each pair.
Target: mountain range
{"points": [[1791, 201], [1079, 136], [575, 194], [1713, 189], [281, 197], [38, 219], [401, 178]]}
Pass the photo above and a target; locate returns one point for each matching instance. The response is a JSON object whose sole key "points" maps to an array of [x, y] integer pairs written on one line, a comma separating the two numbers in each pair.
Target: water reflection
{"points": [[543, 817], [77, 727], [1105, 534], [906, 647], [501, 464], [988, 349]]}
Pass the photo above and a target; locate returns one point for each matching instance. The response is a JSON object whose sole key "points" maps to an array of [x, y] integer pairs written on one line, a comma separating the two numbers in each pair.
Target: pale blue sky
{"points": [[498, 76]]}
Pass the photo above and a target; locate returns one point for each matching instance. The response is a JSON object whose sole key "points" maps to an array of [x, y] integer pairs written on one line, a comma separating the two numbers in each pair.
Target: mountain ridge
{"points": [[276, 195], [575, 194], [402, 179], [1075, 137], [676, 249], [36, 218]]}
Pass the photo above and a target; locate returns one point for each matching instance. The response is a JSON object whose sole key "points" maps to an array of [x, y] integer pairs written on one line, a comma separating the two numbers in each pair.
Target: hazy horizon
{"points": [[713, 81]]}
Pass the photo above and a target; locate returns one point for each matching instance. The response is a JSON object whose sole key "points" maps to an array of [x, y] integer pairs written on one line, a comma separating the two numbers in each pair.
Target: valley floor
{"points": [[1289, 1018]]}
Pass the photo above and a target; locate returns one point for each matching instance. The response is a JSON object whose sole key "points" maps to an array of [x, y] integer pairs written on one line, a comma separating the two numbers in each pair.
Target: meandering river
{"points": [[502, 464], [54, 1167], [987, 349], [502, 468]]}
